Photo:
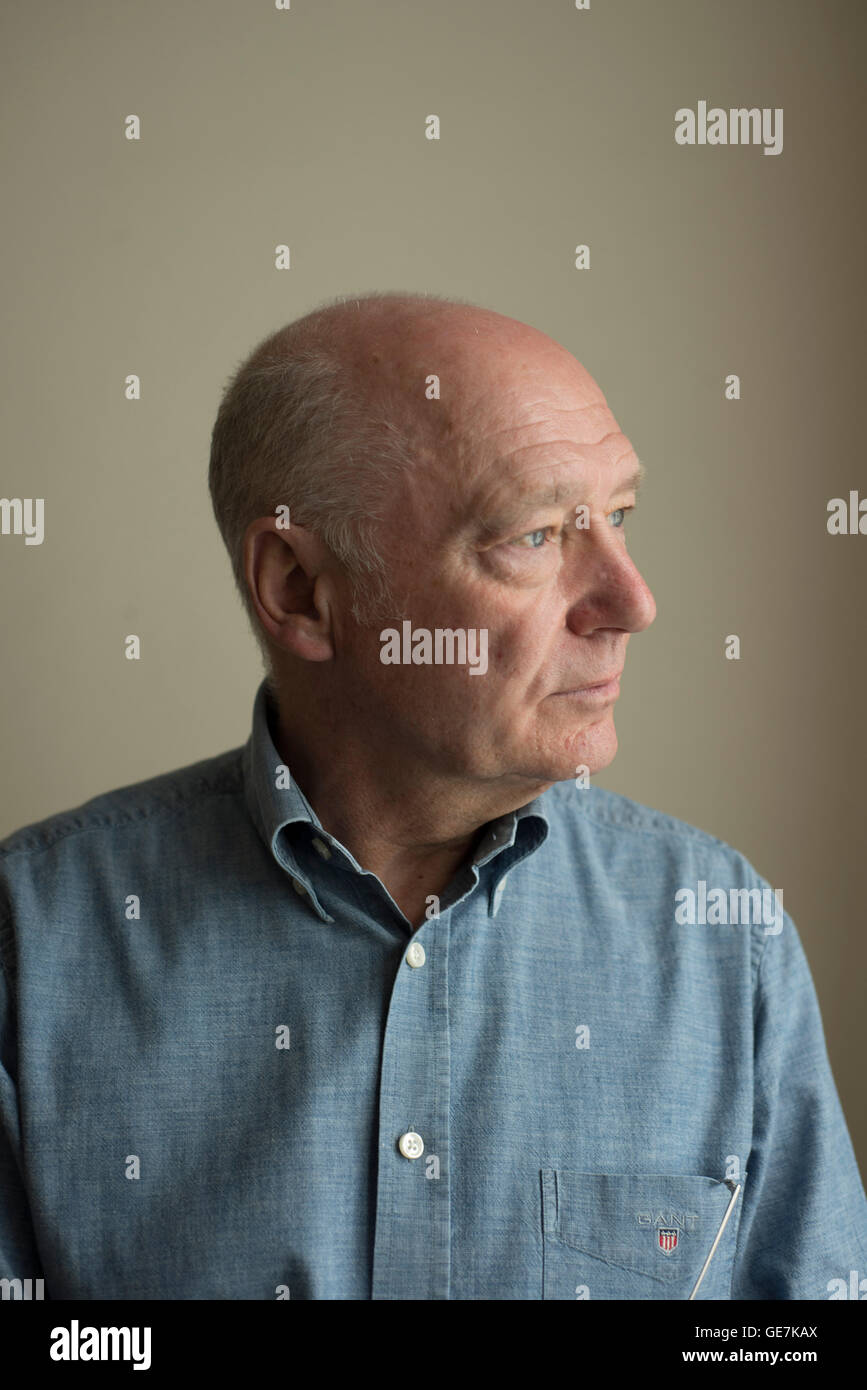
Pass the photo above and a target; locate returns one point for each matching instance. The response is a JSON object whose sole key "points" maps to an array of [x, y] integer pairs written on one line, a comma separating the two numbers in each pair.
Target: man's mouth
{"points": [[608, 688]]}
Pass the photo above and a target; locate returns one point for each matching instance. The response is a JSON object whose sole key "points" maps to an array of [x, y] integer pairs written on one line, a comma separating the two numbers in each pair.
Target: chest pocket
{"points": [[631, 1236]]}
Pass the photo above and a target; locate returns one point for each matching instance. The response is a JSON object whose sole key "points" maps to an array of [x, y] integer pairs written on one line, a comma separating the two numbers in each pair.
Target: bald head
{"points": [[388, 346]]}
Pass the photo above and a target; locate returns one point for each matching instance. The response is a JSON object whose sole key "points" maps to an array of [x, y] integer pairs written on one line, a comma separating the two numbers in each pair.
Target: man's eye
{"points": [[620, 514], [533, 540]]}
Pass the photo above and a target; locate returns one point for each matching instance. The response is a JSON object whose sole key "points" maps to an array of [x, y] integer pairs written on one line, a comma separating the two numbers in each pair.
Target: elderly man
{"points": [[392, 1002]]}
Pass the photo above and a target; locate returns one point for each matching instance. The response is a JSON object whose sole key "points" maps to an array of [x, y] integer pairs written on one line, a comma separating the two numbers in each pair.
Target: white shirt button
{"points": [[321, 848], [411, 1144], [415, 956]]}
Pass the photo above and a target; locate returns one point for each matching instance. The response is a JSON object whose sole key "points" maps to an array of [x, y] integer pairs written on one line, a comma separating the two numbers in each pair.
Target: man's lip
{"points": [[596, 685]]}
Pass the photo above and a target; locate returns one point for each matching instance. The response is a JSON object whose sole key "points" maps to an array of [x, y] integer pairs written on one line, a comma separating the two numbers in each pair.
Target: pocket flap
{"points": [[662, 1226]]}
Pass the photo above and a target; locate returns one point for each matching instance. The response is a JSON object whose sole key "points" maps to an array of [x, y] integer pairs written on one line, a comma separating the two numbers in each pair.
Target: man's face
{"points": [[484, 536]]}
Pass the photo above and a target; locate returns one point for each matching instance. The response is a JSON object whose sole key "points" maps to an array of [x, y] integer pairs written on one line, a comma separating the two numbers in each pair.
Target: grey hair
{"points": [[292, 430]]}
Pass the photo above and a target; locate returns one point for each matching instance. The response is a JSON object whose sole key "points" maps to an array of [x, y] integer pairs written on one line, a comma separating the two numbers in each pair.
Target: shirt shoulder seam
{"points": [[174, 799], [674, 825]]}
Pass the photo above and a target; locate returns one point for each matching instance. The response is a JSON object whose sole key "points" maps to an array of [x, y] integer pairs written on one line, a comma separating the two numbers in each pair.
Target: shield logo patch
{"points": [[667, 1239]]}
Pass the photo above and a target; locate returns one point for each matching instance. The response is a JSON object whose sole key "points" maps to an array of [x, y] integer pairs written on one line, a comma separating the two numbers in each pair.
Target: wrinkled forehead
{"points": [[529, 431], [498, 412], [539, 436]]}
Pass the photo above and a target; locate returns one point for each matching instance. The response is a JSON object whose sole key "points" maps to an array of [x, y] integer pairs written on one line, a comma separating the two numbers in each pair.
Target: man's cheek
{"points": [[514, 654]]}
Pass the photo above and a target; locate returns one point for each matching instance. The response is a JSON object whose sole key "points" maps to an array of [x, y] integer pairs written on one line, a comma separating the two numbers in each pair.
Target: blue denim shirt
{"points": [[217, 1033]]}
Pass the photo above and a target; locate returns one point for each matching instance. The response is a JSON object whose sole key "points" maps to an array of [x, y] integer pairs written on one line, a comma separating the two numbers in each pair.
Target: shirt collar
{"points": [[274, 799], [275, 802]]}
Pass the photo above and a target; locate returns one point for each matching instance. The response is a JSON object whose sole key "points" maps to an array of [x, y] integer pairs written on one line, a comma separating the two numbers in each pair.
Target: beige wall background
{"points": [[307, 127]]}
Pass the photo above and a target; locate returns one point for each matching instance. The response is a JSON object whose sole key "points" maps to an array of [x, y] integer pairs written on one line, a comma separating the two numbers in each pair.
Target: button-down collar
{"points": [[277, 804]]}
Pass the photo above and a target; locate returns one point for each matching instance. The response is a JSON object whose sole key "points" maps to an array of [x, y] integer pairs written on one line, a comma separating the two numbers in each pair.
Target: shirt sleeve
{"points": [[803, 1227], [19, 1258]]}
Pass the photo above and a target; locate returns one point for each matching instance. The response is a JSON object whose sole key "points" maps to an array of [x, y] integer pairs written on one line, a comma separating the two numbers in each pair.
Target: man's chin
{"points": [[590, 751], [579, 768]]}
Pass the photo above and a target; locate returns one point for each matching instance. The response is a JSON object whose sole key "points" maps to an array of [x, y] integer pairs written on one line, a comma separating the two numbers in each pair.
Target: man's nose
{"points": [[609, 589]]}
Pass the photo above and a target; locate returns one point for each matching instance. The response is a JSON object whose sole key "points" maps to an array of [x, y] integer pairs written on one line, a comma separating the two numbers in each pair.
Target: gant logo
{"points": [[668, 1224]]}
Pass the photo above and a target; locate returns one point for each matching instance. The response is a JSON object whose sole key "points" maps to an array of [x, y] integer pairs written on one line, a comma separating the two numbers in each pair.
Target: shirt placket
{"points": [[412, 1241]]}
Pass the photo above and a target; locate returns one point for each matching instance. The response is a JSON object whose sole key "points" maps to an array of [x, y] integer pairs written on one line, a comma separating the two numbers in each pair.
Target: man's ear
{"points": [[289, 580]]}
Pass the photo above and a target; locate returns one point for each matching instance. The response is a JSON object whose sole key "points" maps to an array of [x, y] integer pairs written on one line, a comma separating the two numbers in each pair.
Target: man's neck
{"points": [[412, 829]]}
